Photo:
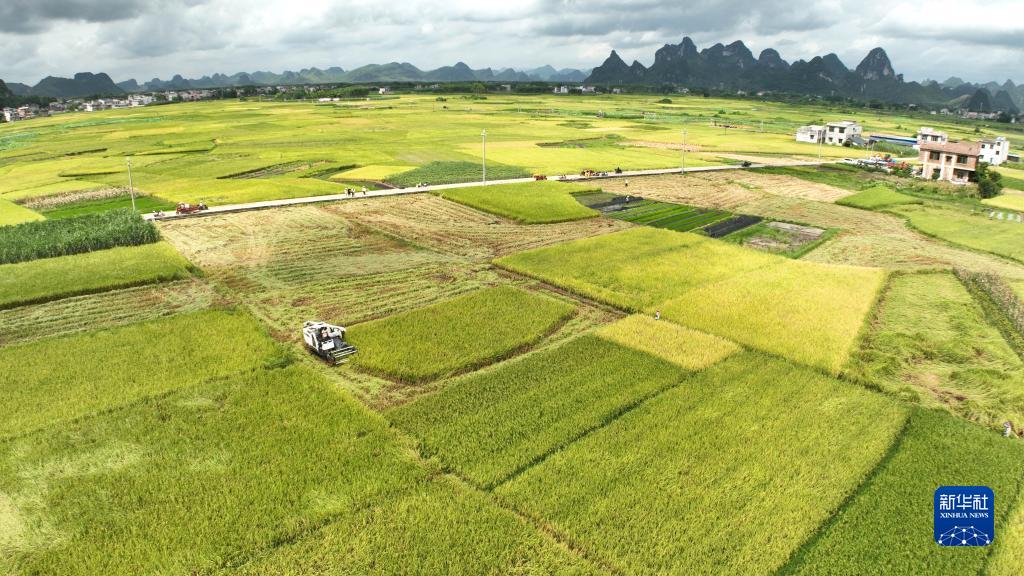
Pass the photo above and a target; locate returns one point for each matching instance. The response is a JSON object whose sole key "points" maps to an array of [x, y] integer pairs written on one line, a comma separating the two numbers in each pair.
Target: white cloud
{"points": [[147, 38]]}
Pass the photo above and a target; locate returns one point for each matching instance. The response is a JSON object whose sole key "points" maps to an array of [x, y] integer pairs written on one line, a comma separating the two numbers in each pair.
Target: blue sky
{"points": [[978, 41]]}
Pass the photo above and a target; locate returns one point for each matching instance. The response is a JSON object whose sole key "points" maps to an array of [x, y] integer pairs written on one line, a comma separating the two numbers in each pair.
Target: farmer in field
{"points": [[657, 314], [627, 183]]}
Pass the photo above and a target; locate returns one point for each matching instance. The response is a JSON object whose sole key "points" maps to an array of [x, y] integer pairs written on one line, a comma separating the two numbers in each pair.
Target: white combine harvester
{"points": [[327, 341]]}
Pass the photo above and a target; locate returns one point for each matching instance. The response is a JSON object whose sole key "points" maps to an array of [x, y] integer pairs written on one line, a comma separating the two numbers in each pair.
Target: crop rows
{"points": [[748, 448], [120, 365], [491, 424], [54, 278], [448, 172], [64, 237], [106, 310], [455, 335], [669, 216]]}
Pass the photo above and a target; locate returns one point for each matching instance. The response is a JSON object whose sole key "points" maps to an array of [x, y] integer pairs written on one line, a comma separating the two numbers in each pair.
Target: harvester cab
{"points": [[327, 341]]}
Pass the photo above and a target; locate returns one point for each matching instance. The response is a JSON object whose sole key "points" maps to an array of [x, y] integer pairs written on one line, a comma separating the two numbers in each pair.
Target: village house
{"points": [[839, 133], [813, 134], [995, 151], [951, 161], [561, 90], [9, 114], [930, 135], [589, 90]]}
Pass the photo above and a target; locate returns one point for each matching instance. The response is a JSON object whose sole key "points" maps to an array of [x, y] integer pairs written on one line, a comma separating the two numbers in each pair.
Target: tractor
{"points": [[327, 341]]}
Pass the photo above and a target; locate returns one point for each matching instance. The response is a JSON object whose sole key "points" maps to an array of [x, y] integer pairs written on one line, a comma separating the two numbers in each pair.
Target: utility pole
{"points": [[131, 188], [683, 166], [483, 138], [821, 139]]}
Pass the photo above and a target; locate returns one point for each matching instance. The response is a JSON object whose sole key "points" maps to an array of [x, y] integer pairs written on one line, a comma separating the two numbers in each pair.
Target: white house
{"points": [[837, 133], [383, 90], [10, 114], [812, 134], [561, 90], [589, 90], [928, 135], [996, 151]]}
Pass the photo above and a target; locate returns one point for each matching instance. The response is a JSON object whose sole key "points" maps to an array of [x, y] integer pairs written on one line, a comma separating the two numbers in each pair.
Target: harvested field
{"points": [[107, 310], [869, 238], [451, 228], [707, 190], [786, 186]]}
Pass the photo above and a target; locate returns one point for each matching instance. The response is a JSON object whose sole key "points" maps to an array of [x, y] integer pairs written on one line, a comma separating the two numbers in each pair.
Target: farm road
{"points": [[229, 208]]}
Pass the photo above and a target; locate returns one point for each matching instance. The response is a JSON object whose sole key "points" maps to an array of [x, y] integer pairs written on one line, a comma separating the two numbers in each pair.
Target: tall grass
{"points": [[54, 278], [728, 473], [491, 424], [64, 237], [887, 528], [456, 335], [60, 379]]}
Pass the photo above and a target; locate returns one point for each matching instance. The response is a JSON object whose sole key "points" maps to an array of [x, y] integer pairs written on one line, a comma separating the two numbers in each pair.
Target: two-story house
{"points": [[928, 135], [838, 133], [995, 151], [953, 161]]}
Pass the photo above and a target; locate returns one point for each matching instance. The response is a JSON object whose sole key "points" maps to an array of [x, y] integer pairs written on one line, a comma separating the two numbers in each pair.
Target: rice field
{"points": [[931, 343], [54, 278], [121, 365], [530, 203], [636, 269], [456, 335], [809, 313], [887, 527], [740, 449], [11, 213], [974, 230], [1005, 201], [877, 197], [688, 349], [491, 425]]}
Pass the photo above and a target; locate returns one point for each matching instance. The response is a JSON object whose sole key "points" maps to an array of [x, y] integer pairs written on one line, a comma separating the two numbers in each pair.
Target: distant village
{"points": [[941, 158]]}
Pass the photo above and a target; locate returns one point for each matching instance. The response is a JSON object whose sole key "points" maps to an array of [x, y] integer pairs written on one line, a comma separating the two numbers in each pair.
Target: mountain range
{"points": [[733, 67], [87, 84]]}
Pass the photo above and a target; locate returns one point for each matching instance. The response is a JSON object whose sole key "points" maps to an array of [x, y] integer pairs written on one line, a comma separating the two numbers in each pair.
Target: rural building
{"points": [[561, 90], [589, 90], [813, 134], [838, 133], [383, 90], [953, 161], [10, 114], [908, 141], [995, 151], [926, 134]]}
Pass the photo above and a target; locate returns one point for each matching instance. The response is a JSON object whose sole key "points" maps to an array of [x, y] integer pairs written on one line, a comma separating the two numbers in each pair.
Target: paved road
{"points": [[229, 208]]}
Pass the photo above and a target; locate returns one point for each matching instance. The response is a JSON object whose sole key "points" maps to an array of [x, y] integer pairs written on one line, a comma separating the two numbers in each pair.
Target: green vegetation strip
{"points": [[528, 203], [971, 229], [887, 528], [877, 197], [492, 424], [60, 379], [443, 172], [11, 213], [753, 448], [456, 335], [50, 238], [53, 278]]}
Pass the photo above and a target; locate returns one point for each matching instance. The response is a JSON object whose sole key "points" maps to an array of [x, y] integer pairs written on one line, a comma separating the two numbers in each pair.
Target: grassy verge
{"points": [[456, 335], [492, 424], [60, 379], [55, 278], [753, 447], [51, 238], [529, 203], [887, 528]]}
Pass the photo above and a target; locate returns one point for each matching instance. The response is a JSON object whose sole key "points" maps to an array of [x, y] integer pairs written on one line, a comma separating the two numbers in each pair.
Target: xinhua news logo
{"points": [[964, 516]]}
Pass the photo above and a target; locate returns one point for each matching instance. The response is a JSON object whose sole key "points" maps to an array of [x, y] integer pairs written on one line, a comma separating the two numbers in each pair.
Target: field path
{"points": [[228, 208]]}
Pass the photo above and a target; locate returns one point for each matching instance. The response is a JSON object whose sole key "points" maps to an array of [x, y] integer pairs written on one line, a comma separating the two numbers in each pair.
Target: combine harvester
{"points": [[327, 341]]}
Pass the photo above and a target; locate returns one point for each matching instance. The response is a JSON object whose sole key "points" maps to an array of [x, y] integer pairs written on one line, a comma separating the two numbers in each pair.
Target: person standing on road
{"points": [[364, 190]]}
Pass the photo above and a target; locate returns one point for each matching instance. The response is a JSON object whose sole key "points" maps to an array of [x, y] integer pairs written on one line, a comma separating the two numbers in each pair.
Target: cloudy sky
{"points": [[978, 41]]}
